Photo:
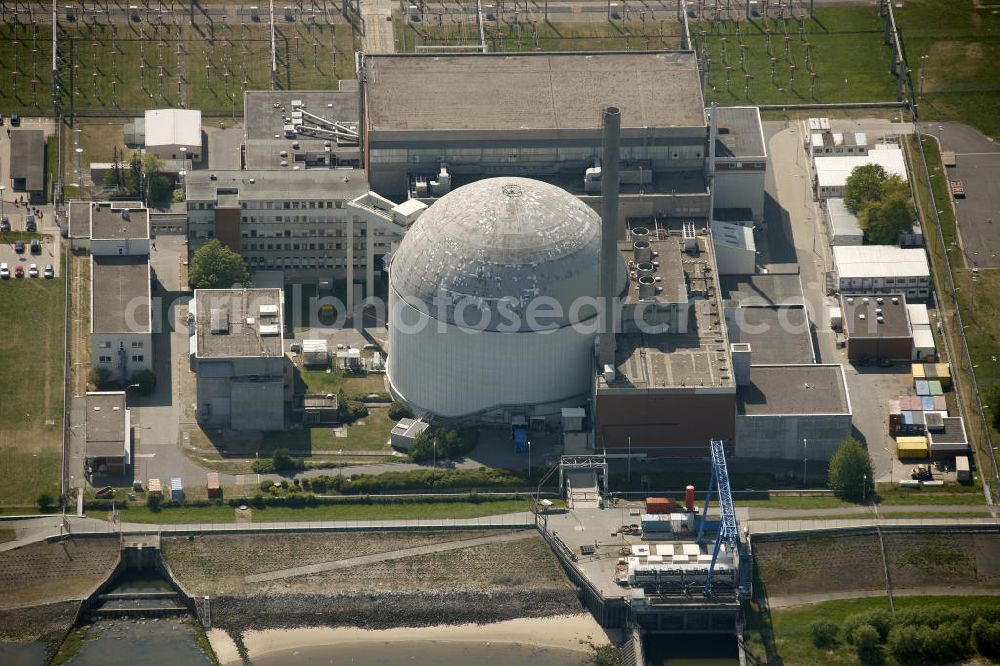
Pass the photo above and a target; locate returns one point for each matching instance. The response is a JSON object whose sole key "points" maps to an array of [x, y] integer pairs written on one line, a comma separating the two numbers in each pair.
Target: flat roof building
{"points": [[432, 122], [108, 434], [777, 334], [121, 320], [877, 327], [842, 224], [791, 412], [832, 171], [288, 129], [238, 356], [671, 392], [291, 220], [173, 134], [767, 289], [882, 269], [27, 162], [740, 164]]}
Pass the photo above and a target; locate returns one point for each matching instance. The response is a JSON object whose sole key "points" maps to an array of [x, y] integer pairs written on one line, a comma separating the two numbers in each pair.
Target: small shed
{"points": [[405, 432], [213, 486], [950, 439], [315, 354], [349, 359], [962, 470], [320, 408]]}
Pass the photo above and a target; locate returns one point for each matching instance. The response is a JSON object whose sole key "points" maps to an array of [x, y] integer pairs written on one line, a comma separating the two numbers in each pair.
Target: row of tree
{"points": [[881, 202], [140, 177]]}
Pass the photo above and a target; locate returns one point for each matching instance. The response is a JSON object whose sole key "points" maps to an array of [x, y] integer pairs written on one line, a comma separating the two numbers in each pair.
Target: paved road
{"points": [[784, 601], [978, 167], [363, 560]]}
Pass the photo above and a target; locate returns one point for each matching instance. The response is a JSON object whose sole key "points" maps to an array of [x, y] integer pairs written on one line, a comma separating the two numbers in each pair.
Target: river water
{"points": [[695, 650], [424, 652]]}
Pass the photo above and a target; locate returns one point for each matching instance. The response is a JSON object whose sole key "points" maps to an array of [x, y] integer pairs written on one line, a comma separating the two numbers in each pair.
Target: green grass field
{"points": [[954, 48], [129, 59], [400, 511], [31, 368], [520, 35], [784, 636], [369, 434], [847, 54]]}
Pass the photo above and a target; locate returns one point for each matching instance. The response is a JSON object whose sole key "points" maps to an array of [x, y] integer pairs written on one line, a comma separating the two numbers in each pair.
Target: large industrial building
{"points": [[740, 162], [463, 287], [882, 269], [237, 355]]}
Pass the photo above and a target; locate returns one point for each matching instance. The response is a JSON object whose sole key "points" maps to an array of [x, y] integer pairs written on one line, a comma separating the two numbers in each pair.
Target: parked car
{"points": [[1, 120], [4, 271], [33, 270], [49, 273], [4, 225], [36, 246], [15, 120], [19, 271], [19, 247], [30, 224]]}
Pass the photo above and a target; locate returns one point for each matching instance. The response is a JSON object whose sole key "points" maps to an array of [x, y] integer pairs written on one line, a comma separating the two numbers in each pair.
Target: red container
{"points": [[660, 505], [689, 498]]}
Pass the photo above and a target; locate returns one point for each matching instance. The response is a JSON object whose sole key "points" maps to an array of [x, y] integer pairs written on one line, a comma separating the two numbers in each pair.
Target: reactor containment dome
{"points": [[493, 302]]}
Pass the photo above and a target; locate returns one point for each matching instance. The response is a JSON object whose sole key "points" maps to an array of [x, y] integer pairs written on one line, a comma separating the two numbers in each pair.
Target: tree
{"points": [[215, 266], [133, 179], [863, 185], [850, 474], [823, 633], [282, 460], [986, 638], [888, 216], [45, 500]]}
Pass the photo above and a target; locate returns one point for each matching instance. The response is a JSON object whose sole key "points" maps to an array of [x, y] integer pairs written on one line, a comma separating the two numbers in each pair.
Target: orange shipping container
{"points": [[660, 505]]}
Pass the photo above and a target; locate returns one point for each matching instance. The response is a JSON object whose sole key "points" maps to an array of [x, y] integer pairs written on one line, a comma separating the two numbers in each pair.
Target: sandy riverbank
{"points": [[562, 632]]}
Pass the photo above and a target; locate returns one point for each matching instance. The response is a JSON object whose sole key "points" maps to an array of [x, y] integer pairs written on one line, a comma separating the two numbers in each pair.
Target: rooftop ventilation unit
{"points": [[269, 311], [895, 300], [880, 319], [862, 316], [269, 329], [219, 321]]}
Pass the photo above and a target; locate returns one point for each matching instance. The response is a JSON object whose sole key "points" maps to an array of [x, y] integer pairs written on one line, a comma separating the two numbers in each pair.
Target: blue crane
{"points": [[729, 532]]}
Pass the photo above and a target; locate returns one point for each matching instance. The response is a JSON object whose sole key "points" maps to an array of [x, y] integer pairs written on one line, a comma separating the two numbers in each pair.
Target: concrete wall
{"points": [[257, 405], [678, 422], [242, 393], [780, 436], [741, 188], [119, 367], [890, 348], [120, 247]]}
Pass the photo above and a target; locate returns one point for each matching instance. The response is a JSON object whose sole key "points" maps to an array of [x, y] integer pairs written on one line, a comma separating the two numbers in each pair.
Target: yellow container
{"points": [[943, 374], [911, 447], [918, 371]]}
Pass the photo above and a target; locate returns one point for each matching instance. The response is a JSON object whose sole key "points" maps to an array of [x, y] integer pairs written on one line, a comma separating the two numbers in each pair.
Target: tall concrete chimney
{"points": [[609, 234]]}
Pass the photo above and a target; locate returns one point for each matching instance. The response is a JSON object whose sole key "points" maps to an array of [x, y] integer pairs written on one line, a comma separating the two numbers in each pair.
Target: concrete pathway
{"points": [[391, 555], [378, 34], [763, 514], [787, 526], [785, 601]]}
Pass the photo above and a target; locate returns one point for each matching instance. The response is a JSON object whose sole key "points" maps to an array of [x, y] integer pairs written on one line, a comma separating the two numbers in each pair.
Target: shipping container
{"points": [[918, 371], [658, 522], [921, 387], [154, 487], [660, 505], [962, 470], [176, 489], [934, 386], [911, 447], [940, 403], [894, 407], [927, 403], [214, 489]]}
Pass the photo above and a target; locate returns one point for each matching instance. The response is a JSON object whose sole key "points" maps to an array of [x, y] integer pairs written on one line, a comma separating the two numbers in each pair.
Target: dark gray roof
{"points": [[762, 289], [895, 322], [953, 433], [120, 294], [794, 389], [27, 158], [776, 335], [229, 323], [106, 424], [740, 134], [111, 222]]}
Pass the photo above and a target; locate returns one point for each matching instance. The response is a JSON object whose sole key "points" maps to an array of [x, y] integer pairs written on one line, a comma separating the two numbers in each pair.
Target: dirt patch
{"points": [[50, 572]]}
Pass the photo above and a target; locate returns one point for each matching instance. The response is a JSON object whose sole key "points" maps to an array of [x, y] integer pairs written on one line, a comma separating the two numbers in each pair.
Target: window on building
{"points": [[105, 359], [138, 358], [137, 344]]}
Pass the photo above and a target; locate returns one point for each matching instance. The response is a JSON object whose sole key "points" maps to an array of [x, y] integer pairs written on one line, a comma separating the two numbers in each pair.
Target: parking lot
{"points": [[48, 255]]}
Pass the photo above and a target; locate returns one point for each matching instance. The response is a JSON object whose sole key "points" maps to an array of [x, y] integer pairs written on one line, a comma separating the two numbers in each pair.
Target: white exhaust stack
{"points": [[609, 233]]}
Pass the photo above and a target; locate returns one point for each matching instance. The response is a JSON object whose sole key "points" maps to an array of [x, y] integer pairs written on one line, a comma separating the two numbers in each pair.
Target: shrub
{"points": [[45, 500], [881, 620], [98, 377], [443, 443], [947, 644], [865, 638], [154, 502], [906, 644], [146, 382], [398, 410], [850, 475], [824, 633], [266, 485], [986, 638], [296, 501]]}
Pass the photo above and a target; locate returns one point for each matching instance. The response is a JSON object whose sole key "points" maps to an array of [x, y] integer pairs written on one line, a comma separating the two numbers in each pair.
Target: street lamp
{"points": [[2, 188], [805, 445]]}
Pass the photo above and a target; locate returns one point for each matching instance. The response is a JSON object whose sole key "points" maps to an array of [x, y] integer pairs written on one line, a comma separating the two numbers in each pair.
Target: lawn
{"points": [[368, 434], [784, 637], [321, 381], [31, 406], [400, 511], [847, 54], [952, 48], [137, 65], [520, 35]]}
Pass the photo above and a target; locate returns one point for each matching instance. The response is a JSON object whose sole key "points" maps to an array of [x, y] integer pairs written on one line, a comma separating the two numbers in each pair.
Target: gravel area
{"points": [[47, 622]]}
